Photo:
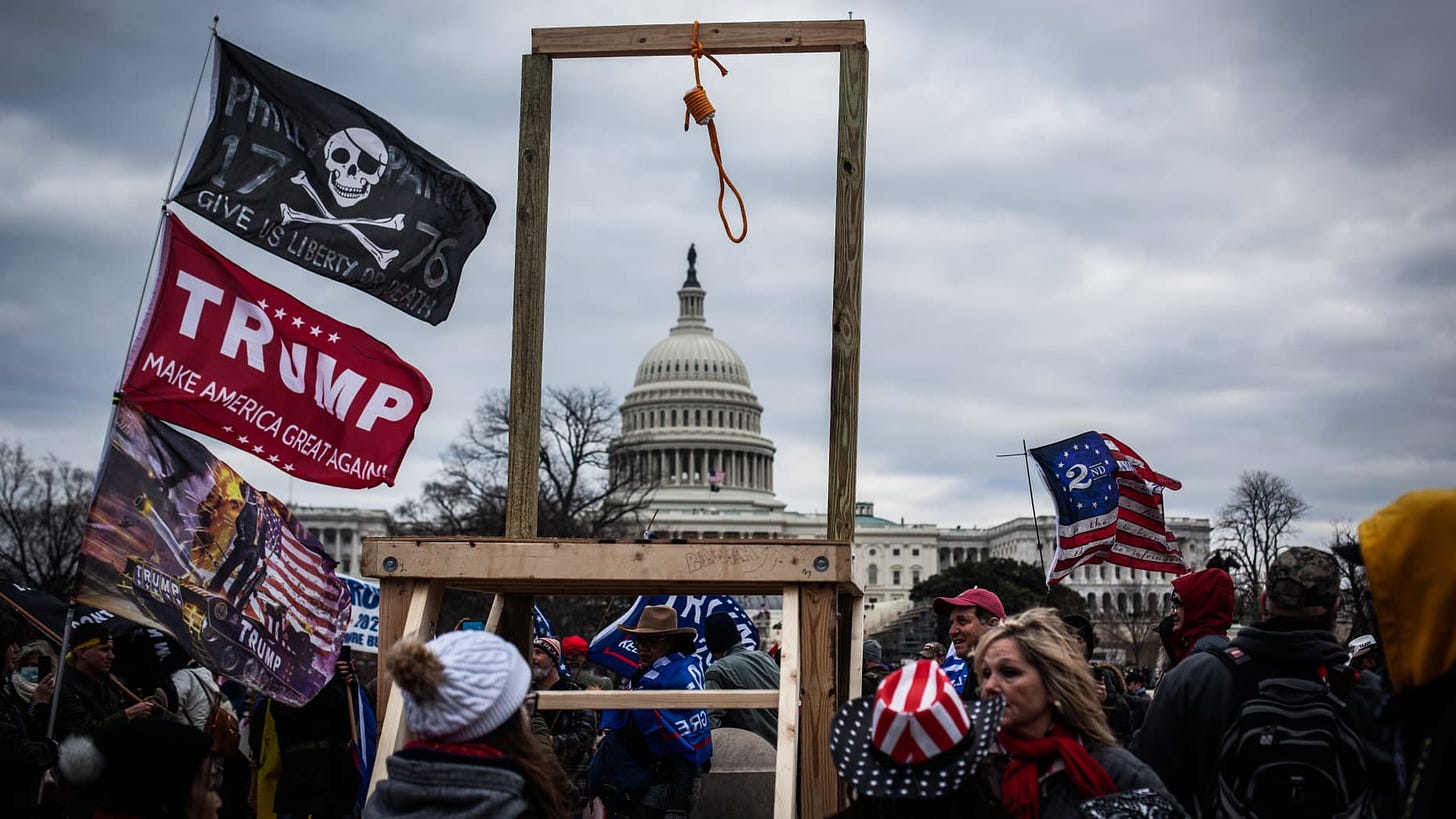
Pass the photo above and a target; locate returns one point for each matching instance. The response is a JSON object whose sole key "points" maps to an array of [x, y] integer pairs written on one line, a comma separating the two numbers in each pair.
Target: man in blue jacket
{"points": [[678, 740]]}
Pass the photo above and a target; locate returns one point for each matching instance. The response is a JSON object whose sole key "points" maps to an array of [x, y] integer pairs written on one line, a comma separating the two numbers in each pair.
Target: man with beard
{"points": [[573, 733], [1203, 611]]}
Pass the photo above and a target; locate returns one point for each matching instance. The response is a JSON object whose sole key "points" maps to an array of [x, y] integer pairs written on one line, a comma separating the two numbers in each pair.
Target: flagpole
{"points": [[1035, 524], [60, 671], [172, 180]]}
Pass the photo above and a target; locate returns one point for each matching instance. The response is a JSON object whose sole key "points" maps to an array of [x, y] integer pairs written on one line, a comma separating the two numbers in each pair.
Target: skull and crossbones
{"points": [[355, 159]]}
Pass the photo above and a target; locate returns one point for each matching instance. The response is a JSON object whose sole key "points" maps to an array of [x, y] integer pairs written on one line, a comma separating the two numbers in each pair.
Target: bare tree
{"points": [[1354, 586], [43, 508], [1256, 520], [579, 496], [1135, 629]]}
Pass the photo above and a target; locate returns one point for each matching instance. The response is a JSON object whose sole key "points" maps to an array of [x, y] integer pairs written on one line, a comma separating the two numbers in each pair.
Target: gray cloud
{"points": [[1223, 234]]}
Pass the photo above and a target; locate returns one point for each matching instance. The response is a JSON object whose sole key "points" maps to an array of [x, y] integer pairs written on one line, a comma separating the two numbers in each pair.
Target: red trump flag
{"points": [[230, 356]]}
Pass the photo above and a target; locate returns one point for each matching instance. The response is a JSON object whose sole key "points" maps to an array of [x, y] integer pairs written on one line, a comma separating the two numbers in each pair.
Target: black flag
{"points": [[319, 180]]}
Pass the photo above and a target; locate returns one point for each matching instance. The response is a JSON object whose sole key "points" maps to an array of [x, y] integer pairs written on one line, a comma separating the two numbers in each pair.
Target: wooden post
{"points": [[524, 461], [848, 266], [818, 782], [818, 799]]}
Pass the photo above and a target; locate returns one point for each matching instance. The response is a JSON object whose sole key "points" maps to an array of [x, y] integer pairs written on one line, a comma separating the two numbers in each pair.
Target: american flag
{"points": [[1109, 506], [299, 581], [715, 480]]}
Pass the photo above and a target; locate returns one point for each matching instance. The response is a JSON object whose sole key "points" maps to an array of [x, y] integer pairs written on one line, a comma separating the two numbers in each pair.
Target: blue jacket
{"points": [[681, 732]]}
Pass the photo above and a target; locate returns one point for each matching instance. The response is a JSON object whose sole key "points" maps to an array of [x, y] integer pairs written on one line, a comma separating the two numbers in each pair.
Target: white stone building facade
{"points": [[342, 531]]}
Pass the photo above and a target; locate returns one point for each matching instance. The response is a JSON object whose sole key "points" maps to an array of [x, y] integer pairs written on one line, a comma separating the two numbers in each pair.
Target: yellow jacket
{"points": [[1409, 549]]}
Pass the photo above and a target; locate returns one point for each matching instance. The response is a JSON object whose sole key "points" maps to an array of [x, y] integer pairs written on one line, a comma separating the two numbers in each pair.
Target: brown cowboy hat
{"points": [[659, 621]]}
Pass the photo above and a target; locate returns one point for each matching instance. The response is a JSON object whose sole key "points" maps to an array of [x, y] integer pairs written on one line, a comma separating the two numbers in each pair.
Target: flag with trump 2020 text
{"points": [[178, 541], [1109, 506], [614, 649], [323, 182], [228, 355]]}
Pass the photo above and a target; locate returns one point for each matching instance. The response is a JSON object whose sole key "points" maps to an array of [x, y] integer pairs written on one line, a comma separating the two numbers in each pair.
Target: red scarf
{"points": [[1019, 786], [479, 750]]}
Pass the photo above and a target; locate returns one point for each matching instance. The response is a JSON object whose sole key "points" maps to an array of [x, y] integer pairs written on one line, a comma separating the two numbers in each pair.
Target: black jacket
{"points": [[25, 753], [1197, 702]]}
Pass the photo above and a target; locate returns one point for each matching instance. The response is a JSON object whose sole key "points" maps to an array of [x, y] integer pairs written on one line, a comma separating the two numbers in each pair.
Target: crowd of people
{"points": [[1011, 717]]}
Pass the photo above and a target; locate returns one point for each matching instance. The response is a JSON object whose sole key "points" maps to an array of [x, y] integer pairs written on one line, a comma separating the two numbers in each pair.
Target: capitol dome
{"points": [[691, 422]]}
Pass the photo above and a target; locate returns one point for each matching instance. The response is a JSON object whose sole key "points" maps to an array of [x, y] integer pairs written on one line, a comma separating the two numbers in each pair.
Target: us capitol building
{"points": [[693, 421]]}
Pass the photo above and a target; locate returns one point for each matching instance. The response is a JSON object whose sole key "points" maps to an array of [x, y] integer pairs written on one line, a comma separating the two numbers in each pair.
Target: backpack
{"points": [[1291, 751], [221, 725]]}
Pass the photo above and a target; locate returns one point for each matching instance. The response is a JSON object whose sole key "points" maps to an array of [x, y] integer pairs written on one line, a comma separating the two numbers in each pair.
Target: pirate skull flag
{"points": [[322, 182]]}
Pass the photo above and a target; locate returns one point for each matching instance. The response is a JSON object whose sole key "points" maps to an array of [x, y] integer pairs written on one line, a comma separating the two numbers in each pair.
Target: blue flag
{"points": [[956, 669], [543, 629], [366, 728], [613, 648]]}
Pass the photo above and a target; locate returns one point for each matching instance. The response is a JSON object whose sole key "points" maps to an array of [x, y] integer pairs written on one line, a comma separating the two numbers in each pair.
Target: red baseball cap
{"points": [[983, 599], [573, 645]]}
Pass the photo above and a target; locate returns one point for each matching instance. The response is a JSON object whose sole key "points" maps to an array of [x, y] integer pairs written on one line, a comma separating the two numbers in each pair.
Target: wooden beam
{"points": [[419, 623], [818, 781], [588, 567], [802, 36], [599, 700], [787, 749], [848, 267]]}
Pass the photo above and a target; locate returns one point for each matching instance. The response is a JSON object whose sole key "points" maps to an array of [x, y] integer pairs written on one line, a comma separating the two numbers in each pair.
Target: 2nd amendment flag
{"points": [[320, 181]]}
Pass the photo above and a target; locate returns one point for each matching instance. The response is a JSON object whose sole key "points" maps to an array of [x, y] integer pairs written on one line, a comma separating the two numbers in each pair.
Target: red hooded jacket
{"points": [[1208, 607]]}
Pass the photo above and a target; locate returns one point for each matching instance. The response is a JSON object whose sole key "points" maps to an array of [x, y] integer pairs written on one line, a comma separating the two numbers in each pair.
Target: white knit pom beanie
{"points": [[483, 684]]}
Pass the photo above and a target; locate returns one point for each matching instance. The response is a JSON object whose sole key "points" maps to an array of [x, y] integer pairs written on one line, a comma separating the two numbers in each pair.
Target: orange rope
{"points": [[701, 111]]}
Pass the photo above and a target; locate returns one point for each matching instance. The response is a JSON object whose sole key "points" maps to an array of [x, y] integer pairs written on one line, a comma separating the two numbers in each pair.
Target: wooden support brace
{"points": [[852, 647], [786, 763], [717, 38], [418, 622]]}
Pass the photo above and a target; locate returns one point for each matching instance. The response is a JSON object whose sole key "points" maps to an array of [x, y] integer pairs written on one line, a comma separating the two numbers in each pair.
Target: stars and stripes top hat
{"points": [[912, 738]]}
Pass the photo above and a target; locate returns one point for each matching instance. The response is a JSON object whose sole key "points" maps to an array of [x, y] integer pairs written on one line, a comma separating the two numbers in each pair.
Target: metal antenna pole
{"points": [[1025, 456]]}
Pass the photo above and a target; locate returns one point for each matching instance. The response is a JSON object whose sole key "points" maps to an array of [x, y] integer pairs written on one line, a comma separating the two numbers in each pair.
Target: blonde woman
{"points": [[1054, 742]]}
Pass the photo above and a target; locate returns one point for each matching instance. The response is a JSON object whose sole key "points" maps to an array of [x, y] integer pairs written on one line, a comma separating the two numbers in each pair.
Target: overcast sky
{"points": [[1222, 232]]}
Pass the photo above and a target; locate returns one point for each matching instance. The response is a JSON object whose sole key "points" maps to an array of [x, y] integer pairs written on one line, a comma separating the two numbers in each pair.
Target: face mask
{"points": [[30, 674]]}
